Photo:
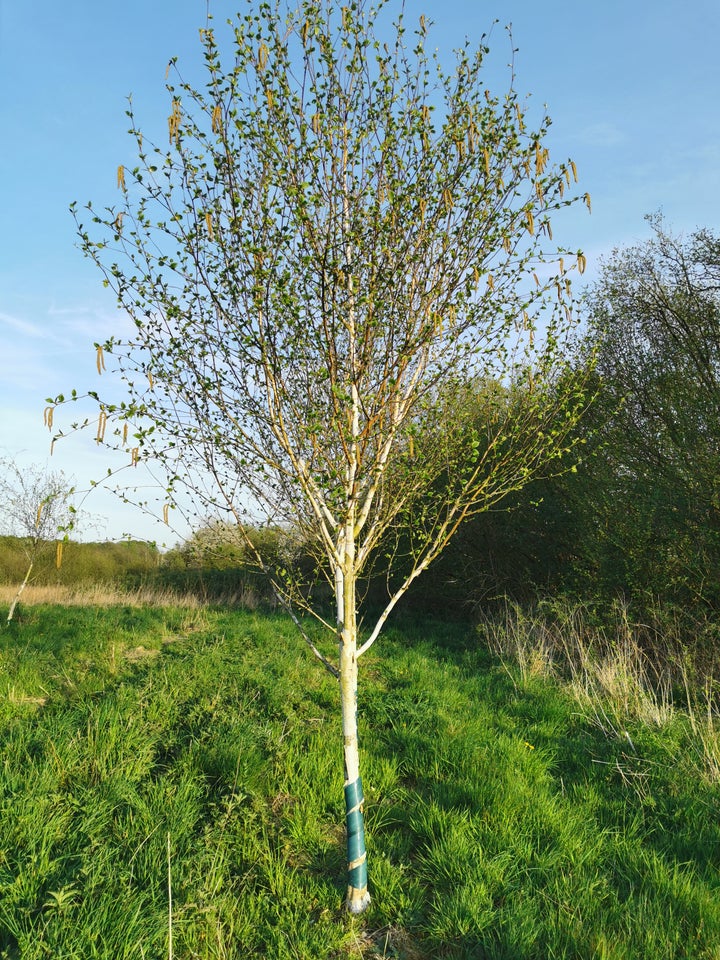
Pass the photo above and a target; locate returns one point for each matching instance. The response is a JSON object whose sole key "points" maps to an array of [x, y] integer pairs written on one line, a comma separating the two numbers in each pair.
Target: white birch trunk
{"points": [[16, 599], [358, 897]]}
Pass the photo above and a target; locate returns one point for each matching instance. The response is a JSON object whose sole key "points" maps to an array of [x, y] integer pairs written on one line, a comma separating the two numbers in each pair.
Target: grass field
{"points": [[171, 786]]}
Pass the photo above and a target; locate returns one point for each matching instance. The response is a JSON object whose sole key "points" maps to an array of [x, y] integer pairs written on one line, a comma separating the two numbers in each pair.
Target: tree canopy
{"points": [[654, 315]]}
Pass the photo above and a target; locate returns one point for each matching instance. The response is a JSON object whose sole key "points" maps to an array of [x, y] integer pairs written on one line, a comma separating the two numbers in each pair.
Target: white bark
{"points": [[358, 897], [16, 599]]}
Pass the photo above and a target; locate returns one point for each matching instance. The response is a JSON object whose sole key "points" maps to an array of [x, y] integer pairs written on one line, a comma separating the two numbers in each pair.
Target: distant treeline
{"points": [[79, 562], [132, 564]]}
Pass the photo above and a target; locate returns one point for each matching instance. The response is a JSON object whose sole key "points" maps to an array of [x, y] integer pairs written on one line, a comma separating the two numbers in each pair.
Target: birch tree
{"points": [[36, 508], [338, 255]]}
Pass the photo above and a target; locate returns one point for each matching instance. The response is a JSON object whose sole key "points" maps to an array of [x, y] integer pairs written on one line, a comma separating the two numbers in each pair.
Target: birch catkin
{"points": [[102, 424]]}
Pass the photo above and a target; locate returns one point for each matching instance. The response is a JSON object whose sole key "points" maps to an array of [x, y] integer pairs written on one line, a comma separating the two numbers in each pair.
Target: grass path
{"points": [[149, 752]]}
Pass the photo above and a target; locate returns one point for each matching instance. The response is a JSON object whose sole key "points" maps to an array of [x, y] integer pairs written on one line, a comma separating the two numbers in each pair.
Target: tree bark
{"points": [[357, 898], [11, 611]]}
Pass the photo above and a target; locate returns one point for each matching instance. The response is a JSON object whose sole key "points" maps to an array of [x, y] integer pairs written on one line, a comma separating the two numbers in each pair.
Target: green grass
{"points": [[503, 821]]}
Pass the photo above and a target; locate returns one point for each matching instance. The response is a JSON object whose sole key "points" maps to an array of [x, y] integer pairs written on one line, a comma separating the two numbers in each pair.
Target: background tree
{"points": [[325, 269], [654, 316], [35, 508], [216, 562], [639, 519]]}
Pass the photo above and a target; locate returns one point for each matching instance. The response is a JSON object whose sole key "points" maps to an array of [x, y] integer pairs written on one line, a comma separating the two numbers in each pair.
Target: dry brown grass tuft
{"points": [[382, 944], [137, 654]]}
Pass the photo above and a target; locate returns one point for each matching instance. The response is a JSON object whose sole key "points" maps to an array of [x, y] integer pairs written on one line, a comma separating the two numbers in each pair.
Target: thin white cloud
{"points": [[94, 325], [55, 311], [601, 134], [28, 328]]}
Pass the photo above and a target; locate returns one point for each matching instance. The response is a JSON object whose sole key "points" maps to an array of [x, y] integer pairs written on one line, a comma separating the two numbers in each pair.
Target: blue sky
{"points": [[632, 88]]}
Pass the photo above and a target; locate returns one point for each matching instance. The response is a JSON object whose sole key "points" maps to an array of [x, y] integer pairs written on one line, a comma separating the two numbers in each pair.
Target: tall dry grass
{"points": [[98, 595], [620, 673]]}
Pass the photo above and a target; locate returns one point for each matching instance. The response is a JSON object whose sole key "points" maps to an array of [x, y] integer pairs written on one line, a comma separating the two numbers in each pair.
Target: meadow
{"points": [[171, 786]]}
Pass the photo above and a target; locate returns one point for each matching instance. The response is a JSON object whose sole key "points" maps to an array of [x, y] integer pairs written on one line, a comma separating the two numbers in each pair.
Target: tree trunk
{"points": [[11, 612], [358, 897]]}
